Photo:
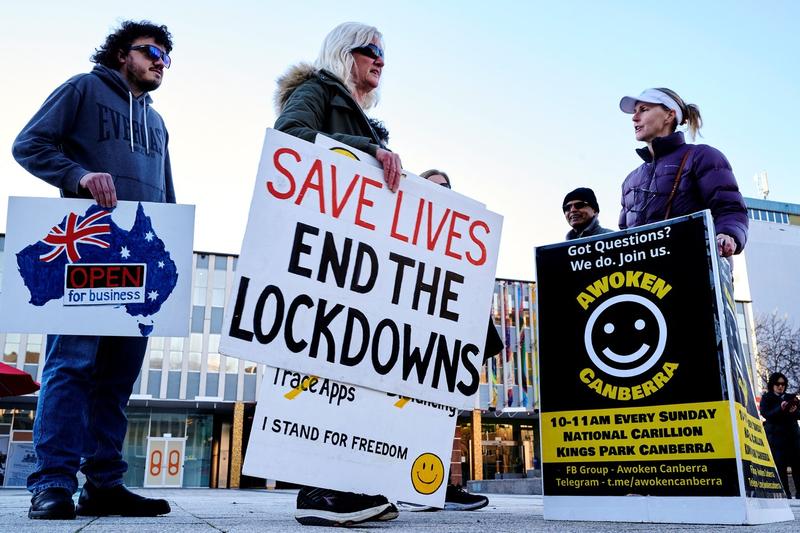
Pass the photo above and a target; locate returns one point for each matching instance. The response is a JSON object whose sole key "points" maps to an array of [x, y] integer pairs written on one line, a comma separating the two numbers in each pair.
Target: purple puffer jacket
{"points": [[707, 182]]}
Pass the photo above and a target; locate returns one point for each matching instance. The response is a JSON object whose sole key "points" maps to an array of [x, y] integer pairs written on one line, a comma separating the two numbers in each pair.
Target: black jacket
{"points": [[781, 427]]}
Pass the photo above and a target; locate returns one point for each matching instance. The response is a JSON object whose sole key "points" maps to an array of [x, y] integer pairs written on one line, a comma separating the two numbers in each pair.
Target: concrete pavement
{"points": [[210, 510]]}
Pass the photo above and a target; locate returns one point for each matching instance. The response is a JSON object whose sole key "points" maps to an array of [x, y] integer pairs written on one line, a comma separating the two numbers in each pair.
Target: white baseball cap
{"points": [[651, 96]]}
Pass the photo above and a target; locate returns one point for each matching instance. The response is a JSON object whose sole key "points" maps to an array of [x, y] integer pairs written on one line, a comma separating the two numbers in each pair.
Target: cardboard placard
{"points": [[640, 417], [77, 268], [319, 432], [343, 279]]}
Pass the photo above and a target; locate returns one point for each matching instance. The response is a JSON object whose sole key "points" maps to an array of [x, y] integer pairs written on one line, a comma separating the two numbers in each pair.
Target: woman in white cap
{"points": [[678, 178]]}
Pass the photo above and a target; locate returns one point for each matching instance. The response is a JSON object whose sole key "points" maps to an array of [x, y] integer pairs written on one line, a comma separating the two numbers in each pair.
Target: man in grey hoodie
{"points": [[96, 136]]}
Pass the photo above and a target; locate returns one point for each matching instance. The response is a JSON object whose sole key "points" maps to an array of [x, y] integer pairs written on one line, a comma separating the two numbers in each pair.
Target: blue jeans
{"points": [[80, 417]]}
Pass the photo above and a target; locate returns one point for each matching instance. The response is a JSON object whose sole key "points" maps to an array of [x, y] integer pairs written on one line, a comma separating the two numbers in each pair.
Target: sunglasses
{"points": [[372, 51], [576, 205], [153, 52]]}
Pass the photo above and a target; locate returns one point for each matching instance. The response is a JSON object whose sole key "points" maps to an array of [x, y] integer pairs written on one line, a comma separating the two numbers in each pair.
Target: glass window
{"points": [[173, 423], [250, 367], [216, 319], [199, 296], [156, 359], [213, 353], [235, 263], [231, 365], [175, 359], [221, 262], [157, 343], [33, 349], [200, 281], [195, 351], [199, 439], [218, 297], [134, 449], [10, 352], [196, 342], [23, 419], [194, 361], [32, 355], [175, 353], [198, 314]]}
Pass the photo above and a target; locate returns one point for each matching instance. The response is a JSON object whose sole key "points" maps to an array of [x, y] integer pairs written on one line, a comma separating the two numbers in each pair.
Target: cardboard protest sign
{"points": [[323, 433], [73, 267], [640, 417], [341, 278]]}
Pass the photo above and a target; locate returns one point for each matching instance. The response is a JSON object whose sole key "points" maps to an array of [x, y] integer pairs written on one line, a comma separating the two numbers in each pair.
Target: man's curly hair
{"points": [[108, 54]]}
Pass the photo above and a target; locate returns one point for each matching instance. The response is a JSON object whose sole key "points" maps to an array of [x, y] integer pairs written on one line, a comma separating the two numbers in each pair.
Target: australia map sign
{"points": [[73, 267], [647, 413]]}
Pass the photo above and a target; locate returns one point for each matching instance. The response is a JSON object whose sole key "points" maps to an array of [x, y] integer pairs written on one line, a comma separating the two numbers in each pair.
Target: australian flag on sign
{"points": [[95, 262]]}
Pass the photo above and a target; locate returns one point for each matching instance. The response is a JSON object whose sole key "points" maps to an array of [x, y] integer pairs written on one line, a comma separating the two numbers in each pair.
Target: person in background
{"points": [[73, 143], [456, 497], [330, 97], [581, 211], [781, 411], [677, 178]]}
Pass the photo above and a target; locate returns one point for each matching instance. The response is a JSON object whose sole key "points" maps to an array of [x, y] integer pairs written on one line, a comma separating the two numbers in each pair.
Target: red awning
{"points": [[15, 382]]}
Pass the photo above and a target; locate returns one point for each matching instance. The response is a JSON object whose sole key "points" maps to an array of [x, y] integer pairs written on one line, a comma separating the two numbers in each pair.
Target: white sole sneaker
{"points": [[316, 517], [452, 506]]}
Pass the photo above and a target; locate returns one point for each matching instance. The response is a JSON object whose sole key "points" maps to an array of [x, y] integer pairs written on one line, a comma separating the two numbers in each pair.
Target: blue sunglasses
{"points": [[372, 51], [153, 52]]}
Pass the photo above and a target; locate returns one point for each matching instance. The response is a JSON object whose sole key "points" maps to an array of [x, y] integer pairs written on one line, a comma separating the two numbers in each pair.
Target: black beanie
{"points": [[582, 193]]}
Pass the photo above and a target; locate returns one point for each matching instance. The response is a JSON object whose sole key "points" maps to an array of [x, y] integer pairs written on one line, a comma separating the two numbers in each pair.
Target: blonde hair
{"points": [[336, 58], [691, 113]]}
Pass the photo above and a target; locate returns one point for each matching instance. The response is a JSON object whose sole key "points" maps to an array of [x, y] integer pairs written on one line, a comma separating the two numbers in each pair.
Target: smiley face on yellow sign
{"points": [[427, 473]]}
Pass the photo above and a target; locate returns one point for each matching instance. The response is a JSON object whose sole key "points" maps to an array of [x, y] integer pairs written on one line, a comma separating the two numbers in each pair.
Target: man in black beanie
{"points": [[581, 210]]}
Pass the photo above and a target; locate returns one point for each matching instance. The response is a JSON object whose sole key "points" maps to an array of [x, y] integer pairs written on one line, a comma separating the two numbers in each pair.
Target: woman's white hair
{"points": [[335, 56]]}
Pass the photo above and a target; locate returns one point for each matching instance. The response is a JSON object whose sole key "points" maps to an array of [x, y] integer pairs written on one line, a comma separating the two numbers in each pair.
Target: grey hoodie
{"points": [[92, 123]]}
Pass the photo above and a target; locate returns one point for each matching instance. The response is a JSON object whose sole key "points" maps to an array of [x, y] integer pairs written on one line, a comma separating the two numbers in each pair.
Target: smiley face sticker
{"points": [[427, 473], [625, 335]]}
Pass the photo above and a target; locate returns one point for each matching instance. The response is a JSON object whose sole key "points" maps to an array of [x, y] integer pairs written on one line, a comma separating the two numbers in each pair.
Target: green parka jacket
{"points": [[310, 101]]}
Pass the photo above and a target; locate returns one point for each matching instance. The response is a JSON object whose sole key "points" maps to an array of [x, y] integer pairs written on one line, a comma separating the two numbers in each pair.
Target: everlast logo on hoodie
{"points": [[113, 125]]}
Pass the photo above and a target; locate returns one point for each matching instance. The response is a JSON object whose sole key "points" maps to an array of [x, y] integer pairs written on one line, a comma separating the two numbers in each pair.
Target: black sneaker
{"points": [[458, 499], [325, 507]]}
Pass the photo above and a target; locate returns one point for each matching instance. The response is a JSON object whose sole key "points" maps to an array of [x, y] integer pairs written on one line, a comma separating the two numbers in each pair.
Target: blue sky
{"points": [[517, 101]]}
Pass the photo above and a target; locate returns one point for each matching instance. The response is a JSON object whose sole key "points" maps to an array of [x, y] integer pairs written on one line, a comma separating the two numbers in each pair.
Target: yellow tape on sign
{"points": [[752, 438], [303, 386], [655, 433]]}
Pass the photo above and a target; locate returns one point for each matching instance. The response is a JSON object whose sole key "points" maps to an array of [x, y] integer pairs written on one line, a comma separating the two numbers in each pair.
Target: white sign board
{"points": [[322, 433], [73, 267], [341, 278]]}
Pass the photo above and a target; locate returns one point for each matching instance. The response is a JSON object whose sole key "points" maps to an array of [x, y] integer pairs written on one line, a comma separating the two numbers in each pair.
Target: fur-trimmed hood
{"points": [[290, 80]]}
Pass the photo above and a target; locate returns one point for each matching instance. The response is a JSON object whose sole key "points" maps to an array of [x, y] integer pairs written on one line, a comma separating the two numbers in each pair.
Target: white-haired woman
{"points": [[678, 178], [331, 95], [330, 98]]}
